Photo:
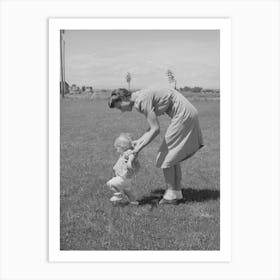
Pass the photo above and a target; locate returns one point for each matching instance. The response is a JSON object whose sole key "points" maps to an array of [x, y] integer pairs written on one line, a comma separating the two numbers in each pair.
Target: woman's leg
{"points": [[178, 176], [173, 177], [173, 191], [169, 177]]}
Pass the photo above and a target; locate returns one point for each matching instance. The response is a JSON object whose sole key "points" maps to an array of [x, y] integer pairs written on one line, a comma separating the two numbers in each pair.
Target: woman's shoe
{"points": [[169, 201]]}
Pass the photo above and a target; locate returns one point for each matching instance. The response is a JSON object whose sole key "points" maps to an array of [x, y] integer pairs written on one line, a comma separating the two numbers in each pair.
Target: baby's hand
{"points": [[134, 143], [128, 153], [129, 165], [130, 160]]}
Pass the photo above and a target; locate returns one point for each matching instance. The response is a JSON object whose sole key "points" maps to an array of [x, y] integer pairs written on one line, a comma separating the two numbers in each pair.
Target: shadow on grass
{"points": [[189, 195]]}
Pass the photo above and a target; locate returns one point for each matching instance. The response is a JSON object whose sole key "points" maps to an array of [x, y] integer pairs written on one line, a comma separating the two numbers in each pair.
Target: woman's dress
{"points": [[183, 136]]}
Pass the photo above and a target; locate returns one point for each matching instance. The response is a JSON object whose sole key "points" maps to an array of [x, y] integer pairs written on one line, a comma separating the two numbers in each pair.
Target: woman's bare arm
{"points": [[148, 136], [141, 138]]}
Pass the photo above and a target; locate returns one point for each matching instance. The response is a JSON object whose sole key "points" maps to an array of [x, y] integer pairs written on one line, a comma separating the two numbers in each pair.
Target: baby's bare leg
{"points": [[130, 195], [110, 184]]}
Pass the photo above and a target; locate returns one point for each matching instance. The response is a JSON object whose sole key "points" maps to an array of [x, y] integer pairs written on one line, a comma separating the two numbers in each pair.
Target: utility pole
{"points": [[64, 82], [62, 64]]}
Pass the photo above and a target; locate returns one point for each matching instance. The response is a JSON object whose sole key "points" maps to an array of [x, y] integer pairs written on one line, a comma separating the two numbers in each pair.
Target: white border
{"points": [[222, 24]]}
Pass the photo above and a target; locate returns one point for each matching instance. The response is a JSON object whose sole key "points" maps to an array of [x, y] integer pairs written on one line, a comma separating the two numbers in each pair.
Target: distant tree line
{"points": [[193, 89], [74, 89], [199, 89]]}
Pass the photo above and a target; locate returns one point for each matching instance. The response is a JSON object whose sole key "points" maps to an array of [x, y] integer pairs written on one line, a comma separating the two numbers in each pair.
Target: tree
{"points": [[196, 89], [186, 88], [171, 78], [128, 79]]}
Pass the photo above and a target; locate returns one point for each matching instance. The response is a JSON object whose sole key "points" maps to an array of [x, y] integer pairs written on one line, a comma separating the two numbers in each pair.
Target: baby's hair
{"points": [[117, 95], [123, 141]]}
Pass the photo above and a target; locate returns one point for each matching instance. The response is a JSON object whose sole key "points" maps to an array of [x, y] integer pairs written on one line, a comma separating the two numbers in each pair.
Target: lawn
{"points": [[90, 222]]}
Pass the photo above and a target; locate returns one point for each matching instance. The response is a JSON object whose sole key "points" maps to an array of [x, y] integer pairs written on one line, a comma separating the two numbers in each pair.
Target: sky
{"points": [[102, 58]]}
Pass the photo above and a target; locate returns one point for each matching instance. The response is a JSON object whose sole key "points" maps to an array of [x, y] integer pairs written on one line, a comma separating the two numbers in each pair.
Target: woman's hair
{"points": [[120, 94], [124, 141]]}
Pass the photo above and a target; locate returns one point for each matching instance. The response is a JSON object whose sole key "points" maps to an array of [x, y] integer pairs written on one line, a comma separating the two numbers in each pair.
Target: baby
{"points": [[125, 169]]}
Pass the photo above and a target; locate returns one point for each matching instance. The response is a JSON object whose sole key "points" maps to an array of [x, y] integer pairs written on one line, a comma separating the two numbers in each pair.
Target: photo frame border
{"points": [[221, 24]]}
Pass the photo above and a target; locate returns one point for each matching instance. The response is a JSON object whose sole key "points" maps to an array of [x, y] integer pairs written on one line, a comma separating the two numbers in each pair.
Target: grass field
{"points": [[90, 222]]}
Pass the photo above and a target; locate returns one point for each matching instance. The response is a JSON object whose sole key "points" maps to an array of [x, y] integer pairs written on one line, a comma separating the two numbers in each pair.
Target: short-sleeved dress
{"points": [[183, 137]]}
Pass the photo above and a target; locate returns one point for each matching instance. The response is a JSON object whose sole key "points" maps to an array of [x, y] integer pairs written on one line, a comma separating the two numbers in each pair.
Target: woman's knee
{"points": [[168, 171]]}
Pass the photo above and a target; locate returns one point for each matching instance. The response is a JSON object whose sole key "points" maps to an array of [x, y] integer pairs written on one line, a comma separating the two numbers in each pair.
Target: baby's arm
{"points": [[130, 160]]}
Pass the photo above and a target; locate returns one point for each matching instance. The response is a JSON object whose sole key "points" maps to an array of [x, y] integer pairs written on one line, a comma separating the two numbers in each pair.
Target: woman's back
{"points": [[163, 100]]}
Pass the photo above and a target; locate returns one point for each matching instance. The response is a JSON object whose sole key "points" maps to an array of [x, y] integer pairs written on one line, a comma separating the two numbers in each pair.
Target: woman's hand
{"points": [[134, 143]]}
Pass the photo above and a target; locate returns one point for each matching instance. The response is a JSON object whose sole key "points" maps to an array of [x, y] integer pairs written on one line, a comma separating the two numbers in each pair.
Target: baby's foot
{"points": [[135, 203], [116, 198]]}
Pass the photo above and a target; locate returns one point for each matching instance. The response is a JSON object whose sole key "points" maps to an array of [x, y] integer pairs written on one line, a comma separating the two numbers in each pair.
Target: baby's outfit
{"points": [[122, 182]]}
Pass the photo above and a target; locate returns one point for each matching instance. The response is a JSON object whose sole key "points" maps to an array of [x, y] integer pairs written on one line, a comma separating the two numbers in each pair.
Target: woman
{"points": [[183, 136]]}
